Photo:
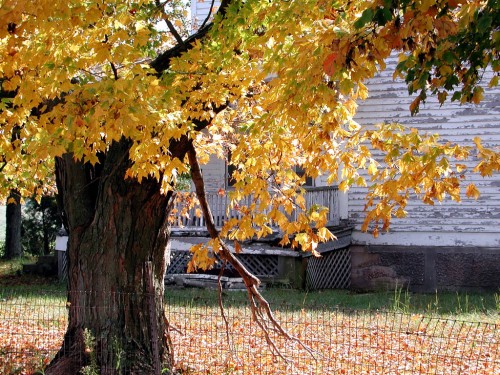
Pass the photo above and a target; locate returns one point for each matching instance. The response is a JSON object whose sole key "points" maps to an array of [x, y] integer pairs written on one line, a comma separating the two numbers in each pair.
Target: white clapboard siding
{"points": [[214, 174], [448, 223], [200, 10], [469, 223]]}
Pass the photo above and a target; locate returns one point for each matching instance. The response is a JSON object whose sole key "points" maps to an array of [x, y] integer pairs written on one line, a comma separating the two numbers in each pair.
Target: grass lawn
{"points": [[465, 306]]}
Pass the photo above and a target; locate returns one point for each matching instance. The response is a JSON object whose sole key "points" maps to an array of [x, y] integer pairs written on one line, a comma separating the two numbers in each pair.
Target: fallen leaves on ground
{"points": [[342, 342]]}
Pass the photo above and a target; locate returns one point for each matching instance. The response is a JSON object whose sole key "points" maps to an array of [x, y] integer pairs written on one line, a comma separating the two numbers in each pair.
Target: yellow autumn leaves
{"points": [[277, 82]]}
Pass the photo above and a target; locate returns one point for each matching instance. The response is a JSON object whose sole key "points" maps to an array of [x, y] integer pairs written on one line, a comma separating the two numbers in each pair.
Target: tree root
{"points": [[71, 357]]}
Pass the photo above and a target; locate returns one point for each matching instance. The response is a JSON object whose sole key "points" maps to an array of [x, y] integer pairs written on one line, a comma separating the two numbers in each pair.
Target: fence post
{"points": [[152, 317]]}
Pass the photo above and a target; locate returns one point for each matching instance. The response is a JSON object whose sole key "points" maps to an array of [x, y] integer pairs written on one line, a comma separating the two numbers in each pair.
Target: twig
{"points": [[162, 61], [168, 337], [115, 71], [170, 26], [4, 164], [259, 306], [208, 16], [171, 327]]}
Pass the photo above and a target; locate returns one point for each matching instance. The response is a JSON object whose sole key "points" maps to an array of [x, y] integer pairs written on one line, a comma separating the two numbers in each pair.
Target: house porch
{"points": [[267, 260]]}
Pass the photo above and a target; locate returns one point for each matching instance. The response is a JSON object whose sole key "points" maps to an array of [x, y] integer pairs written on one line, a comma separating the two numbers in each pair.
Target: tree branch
{"points": [[209, 14], [261, 311], [4, 163], [249, 279], [223, 313], [170, 26], [115, 71], [162, 61]]}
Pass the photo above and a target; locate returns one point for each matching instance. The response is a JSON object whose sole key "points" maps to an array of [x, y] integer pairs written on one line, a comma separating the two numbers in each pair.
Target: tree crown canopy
{"points": [[79, 75]]}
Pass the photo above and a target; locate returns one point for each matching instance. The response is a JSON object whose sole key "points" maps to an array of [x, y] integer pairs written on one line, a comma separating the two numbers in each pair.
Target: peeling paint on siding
{"points": [[469, 223]]}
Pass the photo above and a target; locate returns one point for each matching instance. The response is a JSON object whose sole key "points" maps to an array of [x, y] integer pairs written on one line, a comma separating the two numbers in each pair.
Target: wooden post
{"points": [[152, 314]]}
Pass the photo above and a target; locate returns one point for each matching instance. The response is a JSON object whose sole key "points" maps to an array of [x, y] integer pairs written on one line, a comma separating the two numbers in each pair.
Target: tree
{"points": [[40, 224], [13, 226], [124, 108], [13, 218]]}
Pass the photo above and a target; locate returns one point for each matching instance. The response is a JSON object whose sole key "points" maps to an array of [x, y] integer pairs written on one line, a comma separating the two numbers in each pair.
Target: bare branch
{"points": [[223, 313], [170, 26], [115, 71], [162, 61], [4, 163], [261, 311], [208, 15]]}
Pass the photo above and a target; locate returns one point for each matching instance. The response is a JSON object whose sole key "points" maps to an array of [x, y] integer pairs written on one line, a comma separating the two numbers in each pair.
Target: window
{"points": [[301, 172], [230, 169]]}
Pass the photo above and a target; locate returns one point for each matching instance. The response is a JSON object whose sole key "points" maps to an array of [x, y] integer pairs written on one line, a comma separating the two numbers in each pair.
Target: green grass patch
{"points": [[463, 306], [13, 267]]}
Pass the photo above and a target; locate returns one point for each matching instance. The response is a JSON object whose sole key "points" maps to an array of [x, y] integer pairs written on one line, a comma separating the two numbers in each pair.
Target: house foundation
{"points": [[425, 268]]}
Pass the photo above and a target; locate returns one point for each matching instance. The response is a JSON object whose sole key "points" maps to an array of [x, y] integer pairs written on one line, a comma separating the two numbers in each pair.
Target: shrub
{"points": [[40, 224]]}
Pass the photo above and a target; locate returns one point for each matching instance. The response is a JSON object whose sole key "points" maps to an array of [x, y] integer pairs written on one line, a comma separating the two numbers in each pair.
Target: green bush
{"points": [[40, 223]]}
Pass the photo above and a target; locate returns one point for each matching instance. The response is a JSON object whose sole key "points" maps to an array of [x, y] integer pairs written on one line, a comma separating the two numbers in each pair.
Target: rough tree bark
{"points": [[13, 218], [13, 226], [118, 234]]}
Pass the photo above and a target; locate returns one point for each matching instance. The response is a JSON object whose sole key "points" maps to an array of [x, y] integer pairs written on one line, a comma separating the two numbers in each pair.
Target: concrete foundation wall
{"points": [[425, 268]]}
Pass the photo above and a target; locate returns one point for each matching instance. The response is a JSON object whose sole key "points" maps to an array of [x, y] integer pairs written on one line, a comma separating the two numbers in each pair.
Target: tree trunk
{"points": [[117, 253], [13, 226], [45, 232]]}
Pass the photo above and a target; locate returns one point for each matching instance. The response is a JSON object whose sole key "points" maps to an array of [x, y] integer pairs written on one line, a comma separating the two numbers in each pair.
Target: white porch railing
{"points": [[325, 196]]}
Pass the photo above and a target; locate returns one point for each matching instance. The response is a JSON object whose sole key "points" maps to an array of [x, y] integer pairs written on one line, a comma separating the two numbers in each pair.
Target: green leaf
{"points": [[449, 57], [365, 18], [484, 22], [382, 16], [456, 96]]}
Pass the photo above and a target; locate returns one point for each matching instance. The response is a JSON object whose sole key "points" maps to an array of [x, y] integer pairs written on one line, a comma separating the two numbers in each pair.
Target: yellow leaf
{"points": [[477, 95], [472, 191], [493, 82], [11, 201], [344, 186], [372, 168], [325, 235], [300, 201]]}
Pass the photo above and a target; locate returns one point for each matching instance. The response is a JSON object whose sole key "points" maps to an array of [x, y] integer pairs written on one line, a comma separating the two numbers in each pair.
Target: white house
{"points": [[446, 246], [454, 243]]}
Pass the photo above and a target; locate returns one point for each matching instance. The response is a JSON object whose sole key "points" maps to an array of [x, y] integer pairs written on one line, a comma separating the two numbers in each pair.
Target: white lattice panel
{"points": [[178, 262], [260, 265], [330, 271]]}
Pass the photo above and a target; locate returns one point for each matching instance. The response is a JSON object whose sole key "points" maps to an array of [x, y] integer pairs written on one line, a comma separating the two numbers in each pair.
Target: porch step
{"points": [[205, 281]]}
